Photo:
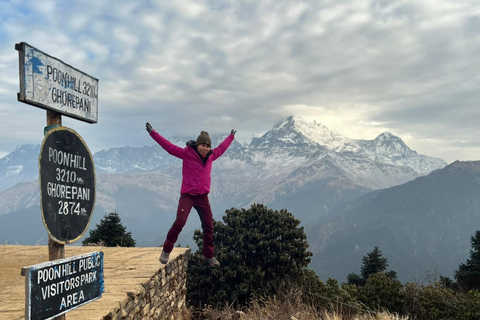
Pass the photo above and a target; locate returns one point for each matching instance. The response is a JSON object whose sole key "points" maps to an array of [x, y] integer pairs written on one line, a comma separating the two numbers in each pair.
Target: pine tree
{"points": [[373, 263], [468, 273], [110, 232], [261, 251]]}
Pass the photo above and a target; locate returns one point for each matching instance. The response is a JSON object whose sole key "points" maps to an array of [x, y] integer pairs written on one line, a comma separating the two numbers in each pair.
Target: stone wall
{"points": [[161, 297]]}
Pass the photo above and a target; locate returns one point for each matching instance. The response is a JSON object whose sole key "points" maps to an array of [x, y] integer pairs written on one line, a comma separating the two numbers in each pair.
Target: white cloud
{"points": [[359, 67]]}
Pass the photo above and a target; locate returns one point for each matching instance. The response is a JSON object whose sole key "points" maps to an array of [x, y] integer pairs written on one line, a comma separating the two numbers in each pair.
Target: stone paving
{"points": [[124, 270]]}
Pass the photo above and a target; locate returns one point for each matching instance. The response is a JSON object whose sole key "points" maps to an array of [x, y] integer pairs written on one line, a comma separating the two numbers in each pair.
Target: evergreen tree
{"points": [[111, 232], [468, 273], [373, 263], [261, 251]]}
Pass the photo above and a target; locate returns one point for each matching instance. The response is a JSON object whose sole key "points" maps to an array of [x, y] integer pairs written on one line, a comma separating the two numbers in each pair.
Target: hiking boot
{"points": [[212, 262], [164, 257]]}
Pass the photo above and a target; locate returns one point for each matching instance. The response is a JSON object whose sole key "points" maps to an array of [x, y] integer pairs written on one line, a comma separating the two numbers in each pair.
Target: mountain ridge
{"points": [[421, 225], [297, 138], [298, 165]]}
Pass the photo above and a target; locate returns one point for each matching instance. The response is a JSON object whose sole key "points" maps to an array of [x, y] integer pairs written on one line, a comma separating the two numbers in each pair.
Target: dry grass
{"points": [[381, 316], [267, 313], [290, 308], [264, 314]]}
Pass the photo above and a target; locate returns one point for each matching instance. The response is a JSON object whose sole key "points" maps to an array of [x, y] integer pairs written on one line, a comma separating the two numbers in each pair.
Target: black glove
{"points": [[149, 127], [233, 131]]}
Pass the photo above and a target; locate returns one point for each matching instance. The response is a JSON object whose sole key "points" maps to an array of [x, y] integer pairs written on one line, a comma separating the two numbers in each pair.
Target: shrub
{"points": [[261, 251], [382, 293]]}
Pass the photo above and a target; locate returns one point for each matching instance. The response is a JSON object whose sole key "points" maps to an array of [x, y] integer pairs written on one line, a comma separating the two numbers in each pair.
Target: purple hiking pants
{"points": [[202, 205]]}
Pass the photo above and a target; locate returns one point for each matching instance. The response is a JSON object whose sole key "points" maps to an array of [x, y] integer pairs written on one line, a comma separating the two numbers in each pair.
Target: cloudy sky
{"points": [[410, 67]]}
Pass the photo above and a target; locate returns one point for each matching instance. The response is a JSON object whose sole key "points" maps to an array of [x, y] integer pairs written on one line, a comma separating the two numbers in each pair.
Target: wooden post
{"points": [[55, 250], [53, 118]]}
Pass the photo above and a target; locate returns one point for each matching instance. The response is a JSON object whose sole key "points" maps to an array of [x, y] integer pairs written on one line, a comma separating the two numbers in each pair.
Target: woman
{"points": [[197, 157]]}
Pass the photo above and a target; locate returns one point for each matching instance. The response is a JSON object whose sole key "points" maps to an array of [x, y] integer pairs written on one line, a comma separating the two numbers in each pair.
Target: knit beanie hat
{"points": [[203, 138]]}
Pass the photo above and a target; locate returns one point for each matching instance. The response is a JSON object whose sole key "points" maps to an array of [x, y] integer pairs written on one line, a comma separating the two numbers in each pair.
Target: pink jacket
{"points": [[196, 175]]}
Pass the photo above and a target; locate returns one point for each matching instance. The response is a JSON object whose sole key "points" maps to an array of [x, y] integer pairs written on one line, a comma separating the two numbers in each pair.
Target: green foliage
{"points": [[355, 279], [468, 273], [261, 251], [373, 263], [264, 251], [434, 302], [330, 297], [110, 232], [431, 302], [382, 293]]}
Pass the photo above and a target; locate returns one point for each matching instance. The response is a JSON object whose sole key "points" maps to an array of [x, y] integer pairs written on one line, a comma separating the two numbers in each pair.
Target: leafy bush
{"points": [[436, 302], [382, 293], [261, 250]]}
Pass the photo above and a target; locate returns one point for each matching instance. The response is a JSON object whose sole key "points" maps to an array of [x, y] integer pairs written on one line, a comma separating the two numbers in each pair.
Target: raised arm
{"points": [[222, 147], [174, 150]]}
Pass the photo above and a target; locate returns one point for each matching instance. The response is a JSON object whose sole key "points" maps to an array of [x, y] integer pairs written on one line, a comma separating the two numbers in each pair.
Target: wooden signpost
{"points": [[67, 173]]}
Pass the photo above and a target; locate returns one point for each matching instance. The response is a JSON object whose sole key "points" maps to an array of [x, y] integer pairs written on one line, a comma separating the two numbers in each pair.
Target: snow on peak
{"points": [[318, 133], [13, 170], [387, 136], [390, 145]]}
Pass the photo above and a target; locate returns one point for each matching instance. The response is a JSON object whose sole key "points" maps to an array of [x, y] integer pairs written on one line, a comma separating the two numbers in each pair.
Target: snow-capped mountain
{"points": [[144, 159], [133, 160], [296, 137], [387, 148], [302, 145], [21, 165], [295, 155], [299, 165], [324, 179], [302, 132], [390, 149]]}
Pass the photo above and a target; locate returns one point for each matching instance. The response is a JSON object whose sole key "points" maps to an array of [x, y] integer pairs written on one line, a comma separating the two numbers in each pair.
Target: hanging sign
{"points": [[67, 185], [51, 84]]}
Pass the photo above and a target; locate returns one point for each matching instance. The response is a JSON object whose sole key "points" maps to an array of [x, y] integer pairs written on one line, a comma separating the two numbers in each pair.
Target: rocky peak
{"points": [[20, 165], [388, 145], [297, 131]]}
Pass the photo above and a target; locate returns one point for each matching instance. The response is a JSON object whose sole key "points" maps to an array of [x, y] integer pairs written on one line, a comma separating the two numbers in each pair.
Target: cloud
{"points": [[360, 67]]}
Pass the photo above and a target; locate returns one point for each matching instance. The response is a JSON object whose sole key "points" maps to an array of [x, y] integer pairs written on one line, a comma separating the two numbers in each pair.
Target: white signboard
{"points": [[48, 83]]}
